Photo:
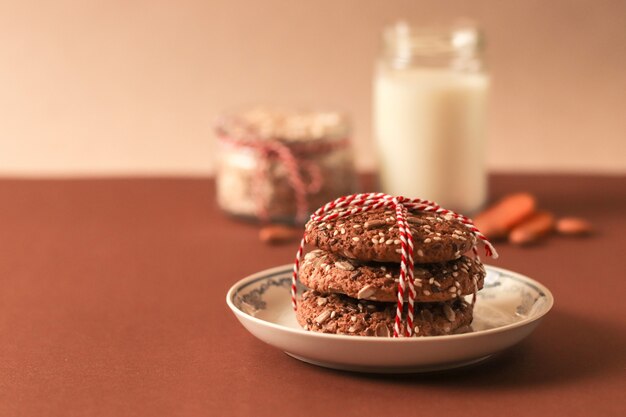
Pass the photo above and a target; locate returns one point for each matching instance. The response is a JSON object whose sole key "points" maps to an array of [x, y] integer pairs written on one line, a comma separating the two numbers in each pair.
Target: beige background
{"points": [[119, 87]]}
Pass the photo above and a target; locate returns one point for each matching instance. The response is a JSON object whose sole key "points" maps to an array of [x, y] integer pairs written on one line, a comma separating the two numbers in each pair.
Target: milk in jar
{"points": [[430, 97]]}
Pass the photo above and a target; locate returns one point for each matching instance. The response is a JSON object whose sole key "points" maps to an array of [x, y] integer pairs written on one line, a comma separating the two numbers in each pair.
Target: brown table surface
{"points": [[112, 304]]}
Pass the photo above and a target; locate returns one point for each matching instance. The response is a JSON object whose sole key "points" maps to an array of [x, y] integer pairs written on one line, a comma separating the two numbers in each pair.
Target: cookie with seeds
{"points": [[373, 236], [339, 314], [331, 273]]}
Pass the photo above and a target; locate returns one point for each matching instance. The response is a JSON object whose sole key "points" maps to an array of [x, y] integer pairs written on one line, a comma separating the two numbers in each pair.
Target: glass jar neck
{"points": [[458, 47]]}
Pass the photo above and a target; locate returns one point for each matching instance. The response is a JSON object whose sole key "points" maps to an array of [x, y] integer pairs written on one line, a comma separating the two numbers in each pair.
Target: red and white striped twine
{"points": [[294, 165], [358, 203]]}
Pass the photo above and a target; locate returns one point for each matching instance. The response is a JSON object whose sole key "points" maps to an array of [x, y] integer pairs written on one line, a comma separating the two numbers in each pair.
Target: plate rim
{"points": [[424, 339]]}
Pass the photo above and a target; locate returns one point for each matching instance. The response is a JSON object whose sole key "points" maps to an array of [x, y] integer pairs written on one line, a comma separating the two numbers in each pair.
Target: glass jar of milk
{"points": [[429, 115]]}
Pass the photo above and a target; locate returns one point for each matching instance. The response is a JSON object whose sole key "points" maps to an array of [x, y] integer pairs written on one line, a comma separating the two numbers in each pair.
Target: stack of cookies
{"points": [[353, 275]]}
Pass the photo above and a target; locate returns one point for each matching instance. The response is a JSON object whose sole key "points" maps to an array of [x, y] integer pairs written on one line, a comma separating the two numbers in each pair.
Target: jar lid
{"points": [[286, 125]]}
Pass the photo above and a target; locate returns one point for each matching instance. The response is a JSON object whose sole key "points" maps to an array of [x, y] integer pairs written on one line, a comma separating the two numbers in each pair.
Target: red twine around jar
{"points": [[291, 157], [358, 203]]}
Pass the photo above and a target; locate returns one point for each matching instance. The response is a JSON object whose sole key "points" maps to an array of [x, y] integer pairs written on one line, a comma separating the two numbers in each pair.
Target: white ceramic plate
{"points": [[508, 309]]}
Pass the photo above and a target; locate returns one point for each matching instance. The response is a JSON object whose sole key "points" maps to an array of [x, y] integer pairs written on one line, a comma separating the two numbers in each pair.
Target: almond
{"points": [[497, 220], [532, 229], [573, 226], [277, 233]]}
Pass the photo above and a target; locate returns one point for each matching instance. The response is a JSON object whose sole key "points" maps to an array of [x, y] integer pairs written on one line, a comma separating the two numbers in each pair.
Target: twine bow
{"points": [[298, 168]]}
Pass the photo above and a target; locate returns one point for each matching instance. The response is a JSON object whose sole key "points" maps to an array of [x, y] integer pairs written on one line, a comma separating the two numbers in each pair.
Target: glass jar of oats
{"points": [[279, 165]]}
